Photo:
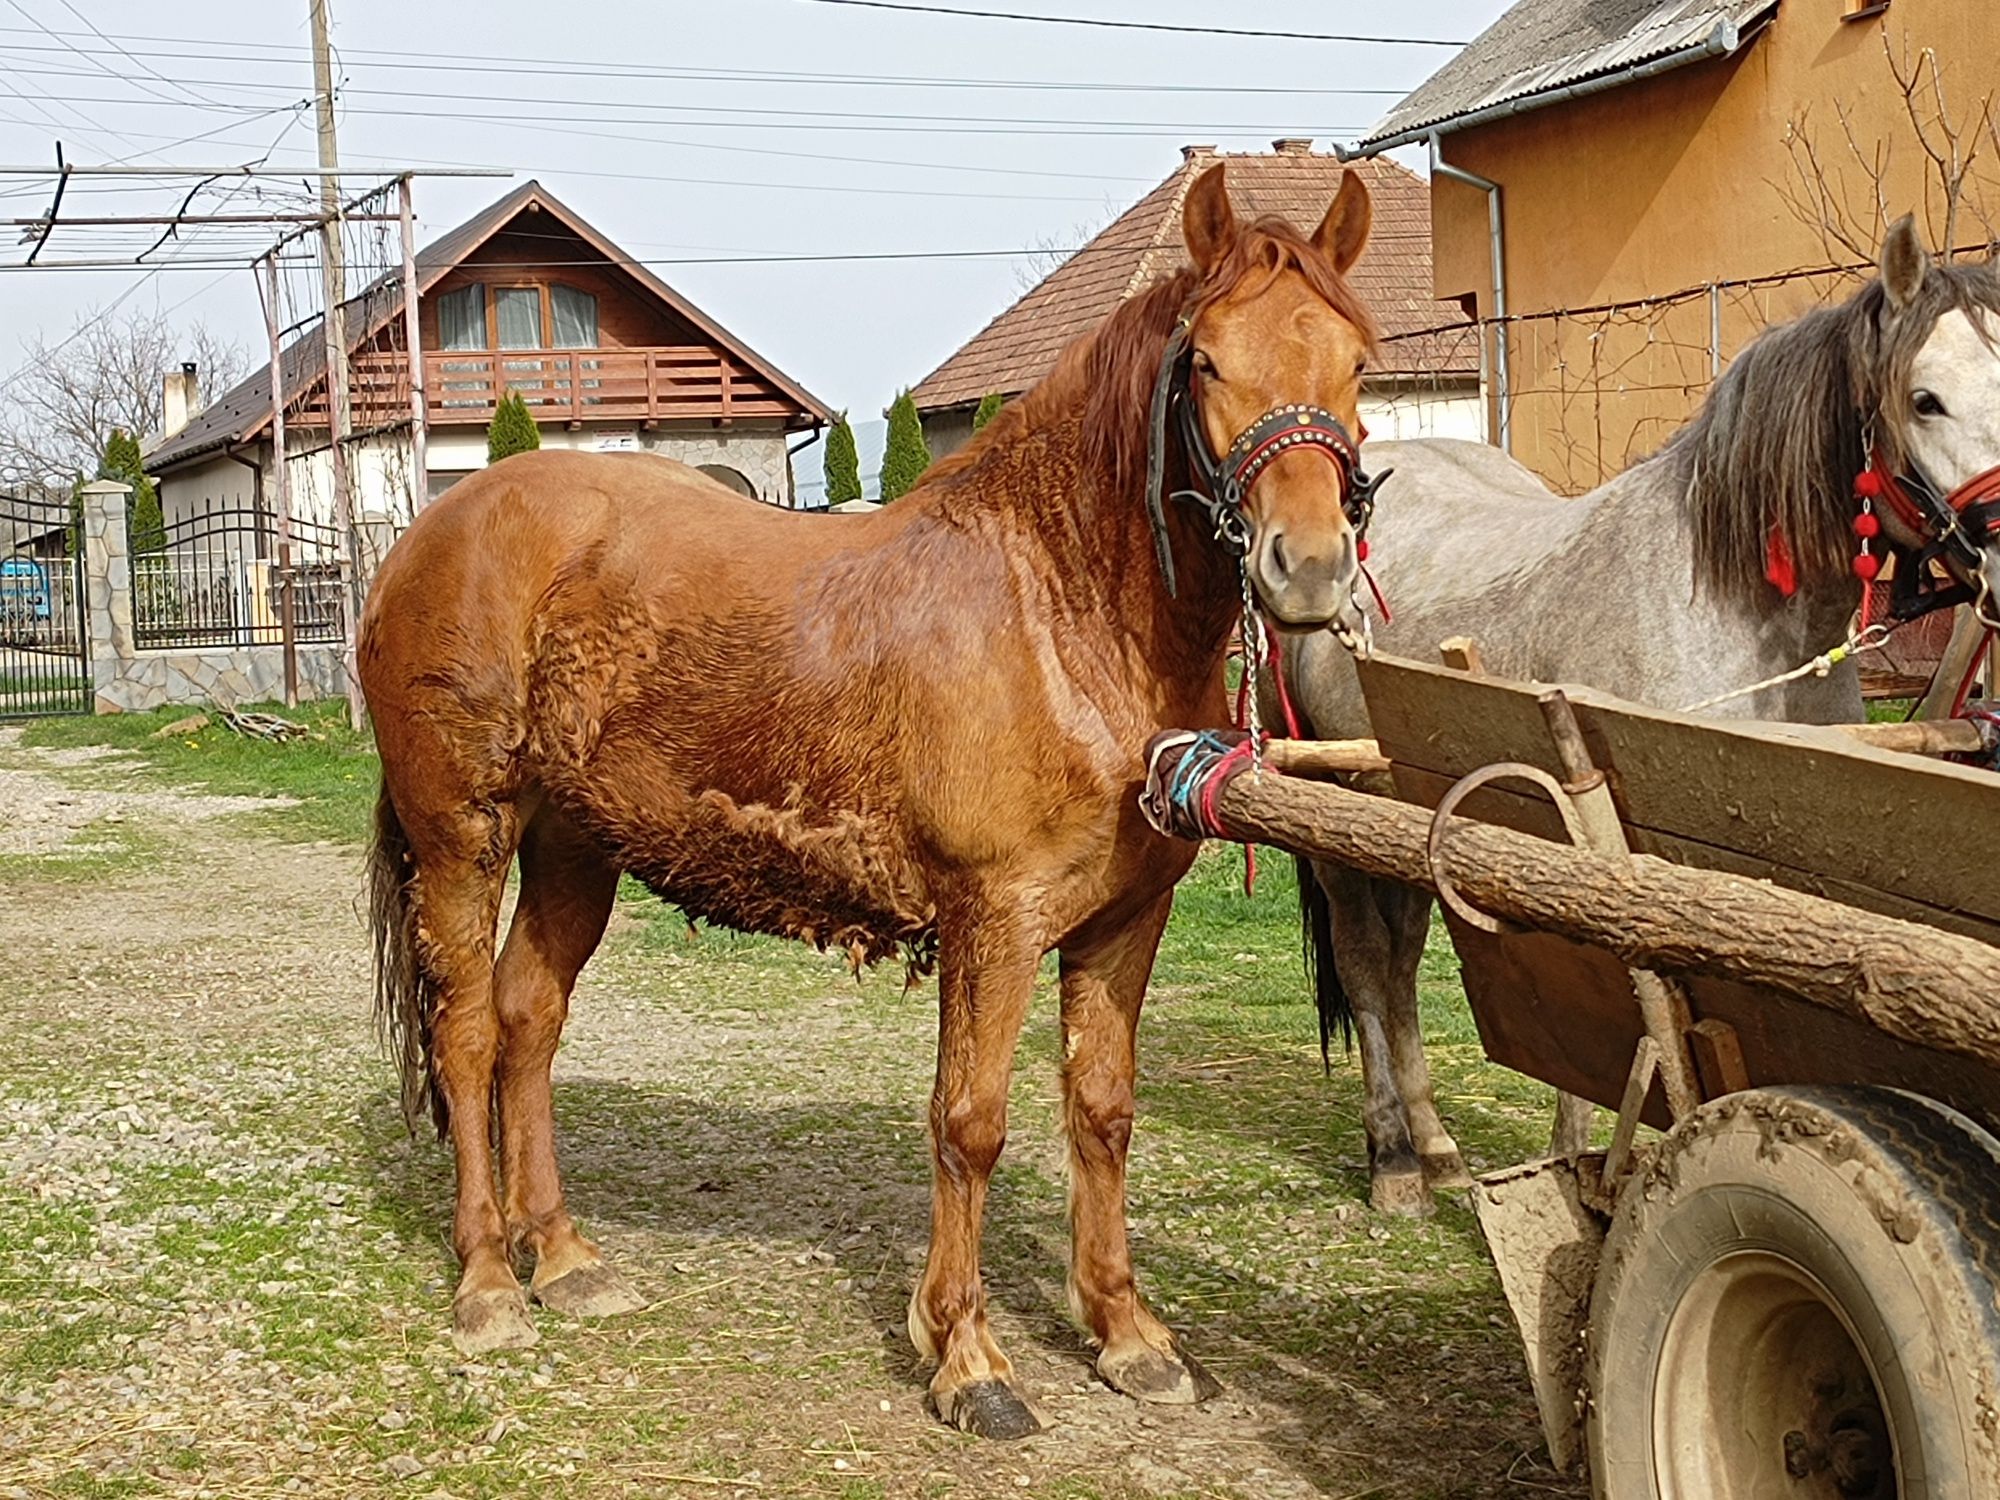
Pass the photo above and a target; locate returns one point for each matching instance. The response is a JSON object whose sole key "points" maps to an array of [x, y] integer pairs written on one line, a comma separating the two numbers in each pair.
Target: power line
{"points": [[597, 70], [1014, 15], [142, 67], [631, 262], [842, 158], [815, 117], [953, 167], [547, 169], [924, 124]]}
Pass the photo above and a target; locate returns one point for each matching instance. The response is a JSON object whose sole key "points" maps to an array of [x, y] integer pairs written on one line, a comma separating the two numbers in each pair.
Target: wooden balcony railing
{"points": [[558, 385]]}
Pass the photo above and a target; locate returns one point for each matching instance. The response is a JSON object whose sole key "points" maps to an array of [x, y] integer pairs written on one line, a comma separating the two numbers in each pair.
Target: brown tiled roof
{"points": [[1393, 275], [242, 411]]}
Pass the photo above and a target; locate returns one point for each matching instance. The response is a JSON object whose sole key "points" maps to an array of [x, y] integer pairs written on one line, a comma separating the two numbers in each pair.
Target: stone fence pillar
{"points": [[107, 585]]}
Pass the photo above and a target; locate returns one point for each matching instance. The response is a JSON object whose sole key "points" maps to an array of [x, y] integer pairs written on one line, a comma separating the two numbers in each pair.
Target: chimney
{"points": [[1191, 153], [1292, 145], [178, 398]]}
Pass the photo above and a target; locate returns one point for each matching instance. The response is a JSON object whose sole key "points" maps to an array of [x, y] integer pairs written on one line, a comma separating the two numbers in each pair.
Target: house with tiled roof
{"points": [[525, 296], [1425, 382]]}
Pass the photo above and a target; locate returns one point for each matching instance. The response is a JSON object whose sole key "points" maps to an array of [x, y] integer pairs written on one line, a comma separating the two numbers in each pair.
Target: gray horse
{"points": [[1656, 586]]}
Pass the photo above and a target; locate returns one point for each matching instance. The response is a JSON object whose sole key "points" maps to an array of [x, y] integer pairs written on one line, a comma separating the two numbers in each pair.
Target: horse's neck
{"points": [[1683, 642], [1093, 552]]}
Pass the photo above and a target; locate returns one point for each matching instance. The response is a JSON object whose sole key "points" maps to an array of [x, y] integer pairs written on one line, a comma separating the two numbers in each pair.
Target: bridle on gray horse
{"points": [[1956, 527]]}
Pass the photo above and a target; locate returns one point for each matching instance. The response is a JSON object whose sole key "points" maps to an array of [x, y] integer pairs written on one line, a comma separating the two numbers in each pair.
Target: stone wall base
{"points": [[229, 678]]}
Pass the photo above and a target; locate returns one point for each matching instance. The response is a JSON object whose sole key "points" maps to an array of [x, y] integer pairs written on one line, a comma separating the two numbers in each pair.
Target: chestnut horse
{"points": [[918, 730]]}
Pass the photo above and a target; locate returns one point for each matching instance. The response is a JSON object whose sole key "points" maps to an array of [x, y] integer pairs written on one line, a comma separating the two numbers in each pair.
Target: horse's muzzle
{"points": [[1304, 585]]}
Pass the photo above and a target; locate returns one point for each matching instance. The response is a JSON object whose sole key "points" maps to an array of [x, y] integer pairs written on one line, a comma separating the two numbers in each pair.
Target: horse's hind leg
{"points": [[1103, 987], [567, 886], [1365, 951], [1406, 911], [461, 860]]}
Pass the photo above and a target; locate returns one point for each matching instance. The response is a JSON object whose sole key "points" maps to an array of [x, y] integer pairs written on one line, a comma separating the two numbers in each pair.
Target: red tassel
{"points": [[1779, 566]]}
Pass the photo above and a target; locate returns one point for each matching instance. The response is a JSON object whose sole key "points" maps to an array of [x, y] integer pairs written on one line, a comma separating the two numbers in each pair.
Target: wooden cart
{"points": [[1795, 974]]}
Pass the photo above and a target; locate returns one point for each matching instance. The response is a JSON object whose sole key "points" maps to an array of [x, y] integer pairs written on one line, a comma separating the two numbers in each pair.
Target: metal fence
{"points": [[44, 657], [216, 578]]}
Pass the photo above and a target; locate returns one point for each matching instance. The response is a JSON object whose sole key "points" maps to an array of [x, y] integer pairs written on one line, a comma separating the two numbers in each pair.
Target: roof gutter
{"points": [[1495, 234], [1724, 38]]}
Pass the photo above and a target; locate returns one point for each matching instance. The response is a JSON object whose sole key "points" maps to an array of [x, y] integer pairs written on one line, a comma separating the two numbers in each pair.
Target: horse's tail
{"points": [[405, 993], [1336, 1010]]}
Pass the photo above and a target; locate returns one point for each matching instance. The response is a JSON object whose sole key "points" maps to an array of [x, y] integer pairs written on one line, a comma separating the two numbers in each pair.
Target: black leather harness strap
{"points": [[1218, 489]]}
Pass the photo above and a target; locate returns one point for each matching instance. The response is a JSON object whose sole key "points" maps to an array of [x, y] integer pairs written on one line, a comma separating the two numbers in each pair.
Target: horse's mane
{"points": [[1110, 371], [1777, 444]]}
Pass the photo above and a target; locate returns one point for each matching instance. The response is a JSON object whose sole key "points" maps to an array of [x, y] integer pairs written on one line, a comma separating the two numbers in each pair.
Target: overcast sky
{"points": [[608, 105]]}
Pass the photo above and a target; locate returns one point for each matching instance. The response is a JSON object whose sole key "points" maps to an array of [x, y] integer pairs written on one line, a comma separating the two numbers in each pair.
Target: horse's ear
{"points": [[1905, 262], [1344, 231], [1208, 223]]}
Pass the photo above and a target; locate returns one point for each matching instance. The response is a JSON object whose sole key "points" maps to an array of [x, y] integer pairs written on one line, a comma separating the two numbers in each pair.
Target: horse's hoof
{"points": [[484, 1321], [591, 1291], [1400, 1193], [1145, 1374], [988, 1409], [1445, 1172]]}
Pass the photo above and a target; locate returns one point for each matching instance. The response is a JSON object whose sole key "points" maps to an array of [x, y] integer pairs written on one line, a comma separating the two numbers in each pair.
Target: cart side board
{"points": [[1801, 806]]}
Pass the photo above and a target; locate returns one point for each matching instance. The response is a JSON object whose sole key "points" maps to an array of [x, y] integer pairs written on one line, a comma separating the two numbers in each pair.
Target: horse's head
{"points": [[1277, 344], [1938, 411]]}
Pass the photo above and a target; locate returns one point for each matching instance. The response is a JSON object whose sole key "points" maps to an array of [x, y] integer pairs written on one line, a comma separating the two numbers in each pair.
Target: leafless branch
{"points": [[1845, 196], [55, 418]]}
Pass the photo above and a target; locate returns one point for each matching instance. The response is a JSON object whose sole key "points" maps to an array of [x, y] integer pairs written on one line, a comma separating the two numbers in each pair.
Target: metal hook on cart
{"points": [[1465, 786]]}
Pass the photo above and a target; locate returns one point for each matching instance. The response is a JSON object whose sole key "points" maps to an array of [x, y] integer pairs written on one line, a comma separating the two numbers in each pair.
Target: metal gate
{"points": [[44, 647]]}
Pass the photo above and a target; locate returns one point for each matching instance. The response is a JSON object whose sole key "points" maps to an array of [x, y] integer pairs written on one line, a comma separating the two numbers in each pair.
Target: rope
{"points": [[1871, 639], [1185, 774]]}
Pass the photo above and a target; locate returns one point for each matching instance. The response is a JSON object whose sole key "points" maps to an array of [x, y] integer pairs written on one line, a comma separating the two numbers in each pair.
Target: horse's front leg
{"points": [[986, 978], [1103, 987]]}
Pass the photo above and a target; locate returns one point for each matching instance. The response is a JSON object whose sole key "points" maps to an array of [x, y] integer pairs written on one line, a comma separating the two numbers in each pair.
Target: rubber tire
{"points": [[1885, 1200]]}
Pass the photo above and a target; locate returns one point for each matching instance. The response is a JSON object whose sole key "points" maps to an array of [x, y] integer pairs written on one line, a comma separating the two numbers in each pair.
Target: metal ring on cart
{"points": [[1465, 786]]}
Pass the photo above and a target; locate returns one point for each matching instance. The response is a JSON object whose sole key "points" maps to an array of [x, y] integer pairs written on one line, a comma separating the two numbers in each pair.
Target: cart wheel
{"points": [[1797, 1298]]}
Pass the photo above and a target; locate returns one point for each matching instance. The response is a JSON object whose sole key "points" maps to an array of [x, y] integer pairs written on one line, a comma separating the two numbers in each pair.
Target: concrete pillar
{"points": [[107, 584]]}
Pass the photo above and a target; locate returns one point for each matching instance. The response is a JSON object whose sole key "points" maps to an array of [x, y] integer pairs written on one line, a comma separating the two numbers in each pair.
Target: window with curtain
{"points": [[575, 317], [462, 318], [517, 313]]}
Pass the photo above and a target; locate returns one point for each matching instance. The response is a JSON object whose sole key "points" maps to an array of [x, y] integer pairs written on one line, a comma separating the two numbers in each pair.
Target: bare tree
{"points": [[56, 414], [1842, 190]]}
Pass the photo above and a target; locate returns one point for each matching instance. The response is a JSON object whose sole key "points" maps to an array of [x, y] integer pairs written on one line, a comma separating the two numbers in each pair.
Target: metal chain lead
{"points": [[1253, 656]]}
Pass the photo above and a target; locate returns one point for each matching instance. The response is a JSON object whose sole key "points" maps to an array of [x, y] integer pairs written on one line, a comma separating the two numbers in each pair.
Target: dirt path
{"points": [[225, 1270]]}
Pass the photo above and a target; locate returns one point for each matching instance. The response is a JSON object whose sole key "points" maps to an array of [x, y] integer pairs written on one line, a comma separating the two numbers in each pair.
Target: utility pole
{"points": [[333, 276]]}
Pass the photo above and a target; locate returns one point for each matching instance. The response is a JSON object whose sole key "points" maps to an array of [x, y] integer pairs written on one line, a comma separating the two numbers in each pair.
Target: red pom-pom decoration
{"points": [[1866, 566], [1867, 524], [1361, 549], [1868, 485]]}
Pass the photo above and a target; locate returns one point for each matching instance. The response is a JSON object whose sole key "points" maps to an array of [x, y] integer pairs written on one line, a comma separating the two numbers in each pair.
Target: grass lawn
{"points": [[226, 1266], [330, 773]]}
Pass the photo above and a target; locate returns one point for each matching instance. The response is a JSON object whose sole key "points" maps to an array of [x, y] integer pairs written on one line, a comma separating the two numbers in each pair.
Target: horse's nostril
{"points": [[1278, 553]]}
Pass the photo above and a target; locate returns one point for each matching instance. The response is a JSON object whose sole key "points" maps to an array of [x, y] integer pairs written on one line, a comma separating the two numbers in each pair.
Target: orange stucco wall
{"points": [[1651, 188]]}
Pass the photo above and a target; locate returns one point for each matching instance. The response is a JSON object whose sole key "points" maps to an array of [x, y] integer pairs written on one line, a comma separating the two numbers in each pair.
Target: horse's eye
{"points": [[1203, 363], [1927, 404]]}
